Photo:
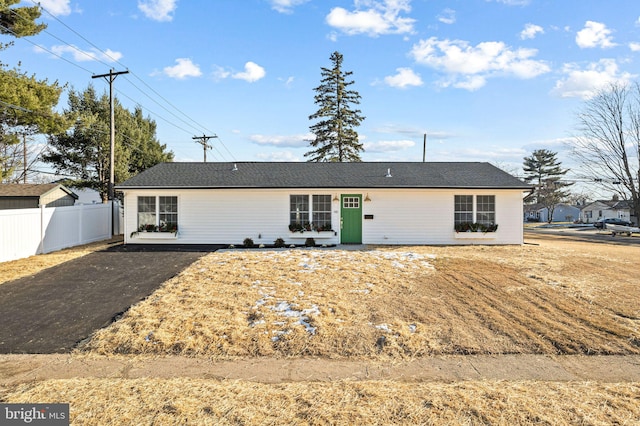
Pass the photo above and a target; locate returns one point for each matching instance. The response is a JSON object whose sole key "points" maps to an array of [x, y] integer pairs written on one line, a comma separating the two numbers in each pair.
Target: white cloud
{"points": [[285, 6], [468, 67], [252, 72], [404, 78], [634, 46], [158, 10], [388, 146], [56, 7], [183, 68], [585, 83], [92, 54], [531, 31], [594, 34], [289, 141], [447, 16], [373, 17]]}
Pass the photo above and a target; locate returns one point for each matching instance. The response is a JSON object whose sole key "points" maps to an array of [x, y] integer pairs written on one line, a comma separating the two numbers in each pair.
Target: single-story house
{"points": [[604, 209], [32, 195], [561, 213], [334, 203]]}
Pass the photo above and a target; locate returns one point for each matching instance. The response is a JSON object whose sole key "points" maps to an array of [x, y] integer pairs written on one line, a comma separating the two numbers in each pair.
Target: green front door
{"points": [[351, 219]]}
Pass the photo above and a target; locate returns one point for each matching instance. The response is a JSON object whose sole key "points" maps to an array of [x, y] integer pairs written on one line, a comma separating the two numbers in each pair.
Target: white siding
{"points": [[229, 216]]}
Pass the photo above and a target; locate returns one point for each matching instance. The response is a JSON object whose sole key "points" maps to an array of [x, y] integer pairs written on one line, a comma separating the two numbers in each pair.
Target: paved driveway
{"points": [[55, 309]]}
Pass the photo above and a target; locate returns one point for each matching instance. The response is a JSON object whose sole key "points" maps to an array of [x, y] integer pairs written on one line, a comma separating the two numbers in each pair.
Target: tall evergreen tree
{"points": [[545, 171], [83, 151], [335, 135]]}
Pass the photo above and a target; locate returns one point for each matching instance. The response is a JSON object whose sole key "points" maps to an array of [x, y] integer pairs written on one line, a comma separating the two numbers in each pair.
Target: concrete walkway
{"points": [[16, 369]]}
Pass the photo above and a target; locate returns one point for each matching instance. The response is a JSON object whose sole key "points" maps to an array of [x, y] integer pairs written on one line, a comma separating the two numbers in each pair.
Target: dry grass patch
{"points": [[388, 303], [20, 268], [193, 401]]}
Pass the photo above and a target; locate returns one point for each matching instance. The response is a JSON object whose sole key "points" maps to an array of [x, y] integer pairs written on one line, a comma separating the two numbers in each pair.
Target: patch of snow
{"points": [[384, 327]]}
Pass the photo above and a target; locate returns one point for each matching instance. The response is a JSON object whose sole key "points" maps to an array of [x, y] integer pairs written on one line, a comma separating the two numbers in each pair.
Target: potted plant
{"points": [[475, 227], [152, 231], [300, 227]]}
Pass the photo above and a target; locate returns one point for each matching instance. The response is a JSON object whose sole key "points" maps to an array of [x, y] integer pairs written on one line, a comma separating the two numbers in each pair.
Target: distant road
{"points": [[581, 234]]}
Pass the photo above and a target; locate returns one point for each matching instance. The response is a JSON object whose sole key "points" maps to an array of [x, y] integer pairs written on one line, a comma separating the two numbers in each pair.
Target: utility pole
{"points": [[112, 137], [203, 140], [24, 157]]}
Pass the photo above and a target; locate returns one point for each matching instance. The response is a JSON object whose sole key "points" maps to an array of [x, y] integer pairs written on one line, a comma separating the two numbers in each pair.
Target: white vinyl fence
{"points": [[25, 232]]}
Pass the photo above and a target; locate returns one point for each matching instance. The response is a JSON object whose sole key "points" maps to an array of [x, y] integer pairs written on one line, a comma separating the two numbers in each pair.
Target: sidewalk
{"points": [[16, 369]]}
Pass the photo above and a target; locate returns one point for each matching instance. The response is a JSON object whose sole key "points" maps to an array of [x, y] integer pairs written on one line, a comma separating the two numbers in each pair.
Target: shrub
{"points": [[279, 242], [248, 242], [310, 242]]}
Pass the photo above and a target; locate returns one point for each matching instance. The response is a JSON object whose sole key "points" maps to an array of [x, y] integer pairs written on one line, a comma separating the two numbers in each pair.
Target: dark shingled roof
{"points": [[323, 175]]}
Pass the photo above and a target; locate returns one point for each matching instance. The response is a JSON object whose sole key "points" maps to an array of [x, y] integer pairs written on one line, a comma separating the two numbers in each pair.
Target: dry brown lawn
{"points": [[209, 402], [390, 303], [384, 304]]}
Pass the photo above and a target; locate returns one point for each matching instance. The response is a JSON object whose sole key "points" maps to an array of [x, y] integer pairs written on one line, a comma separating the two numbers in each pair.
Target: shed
{"points": [[334, 203]]}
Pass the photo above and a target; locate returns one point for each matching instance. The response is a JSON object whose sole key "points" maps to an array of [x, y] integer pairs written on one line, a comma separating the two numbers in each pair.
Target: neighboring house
{"points": [[561, 213], [368, 203], [603, 209], [31, 195]]}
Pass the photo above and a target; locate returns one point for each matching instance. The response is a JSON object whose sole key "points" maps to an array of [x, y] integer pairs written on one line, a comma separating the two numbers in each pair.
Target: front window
{"points": [[299, 210], [322, 212], [158, 214], [477, 210], [486, 209], [463, 209], [306, 216], [146, 213], [168, 207]]}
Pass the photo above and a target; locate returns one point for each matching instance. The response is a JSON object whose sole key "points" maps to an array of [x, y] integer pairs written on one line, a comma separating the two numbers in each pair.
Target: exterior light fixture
{"points": [[367, 197]]}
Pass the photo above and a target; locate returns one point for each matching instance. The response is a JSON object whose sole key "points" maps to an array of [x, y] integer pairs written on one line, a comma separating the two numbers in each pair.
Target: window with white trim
{"points": [[146, 212], [158, 213], [304, 215], [463, 211], [486, 209], [475, 209], [321, 215], [299, 210]]}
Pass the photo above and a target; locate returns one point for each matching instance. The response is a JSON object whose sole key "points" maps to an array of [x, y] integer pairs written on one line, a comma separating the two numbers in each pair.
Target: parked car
{"points": [[600, 223]]}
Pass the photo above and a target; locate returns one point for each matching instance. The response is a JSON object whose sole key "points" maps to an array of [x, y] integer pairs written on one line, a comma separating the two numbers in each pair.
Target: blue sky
{"points": [[487, 80]]}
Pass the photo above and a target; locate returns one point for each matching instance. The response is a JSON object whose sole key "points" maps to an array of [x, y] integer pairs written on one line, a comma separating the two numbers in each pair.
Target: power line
{"points": [[133, 74], [46, 50]]}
